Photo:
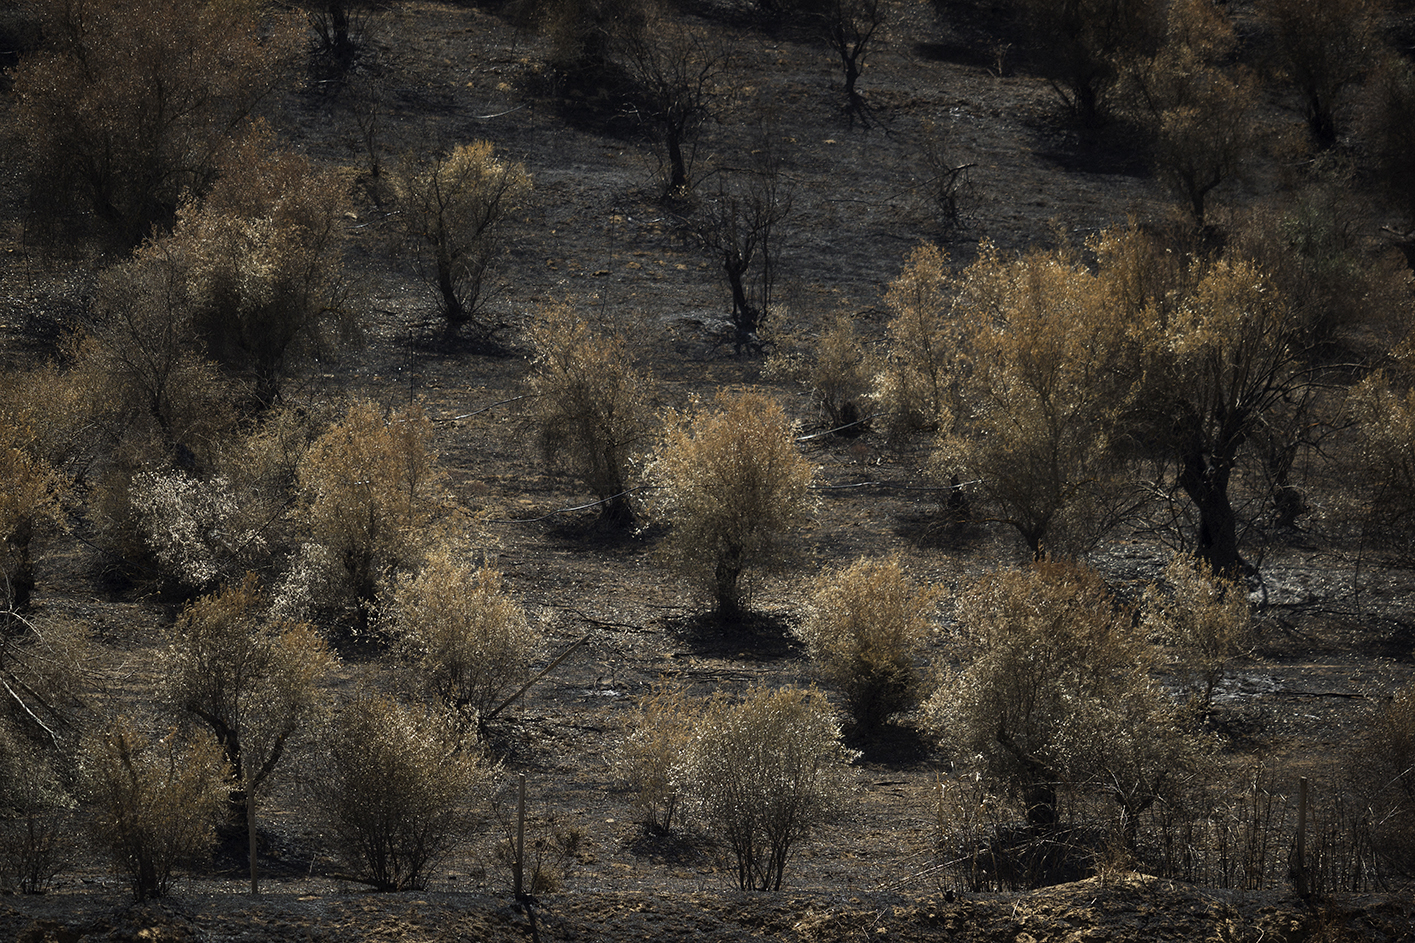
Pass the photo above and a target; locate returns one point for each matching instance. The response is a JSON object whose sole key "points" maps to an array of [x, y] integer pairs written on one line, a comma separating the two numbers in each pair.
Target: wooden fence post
{"points": [[518, 869]]}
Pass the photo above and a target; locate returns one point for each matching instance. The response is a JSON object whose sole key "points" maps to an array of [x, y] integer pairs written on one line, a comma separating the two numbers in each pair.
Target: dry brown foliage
{"points": [[1053, 692], [457, 204], [733, 488], [371, 496], [45, 676], [1384, 776], [764, 773], [865, 632], [655, 737], [1200, 114], [34, 840], [1388, 129], [467, 641], [1206, 619], [1035, 395], [1082, 46], [400, 788], [31, 494], [589, 406], [260, 261], [914, 387], [130, 103], [156, 801], [841, 376], [1386, 417]]}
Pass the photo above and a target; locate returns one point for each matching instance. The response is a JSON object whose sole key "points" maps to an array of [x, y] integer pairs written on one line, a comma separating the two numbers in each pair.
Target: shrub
{"points": [[31, 491], [841, 376], [588, 406], [43, 675], [1054, 692], [398, 788], [733, 487], [547, 848], [469, 643], [34, 841], [129, 103], [656, 736], [864, 632], [1206, 618], [1384, 774], [912, 389], [156, 802], [193, 526], [370, 496], [259, 259], [1322, 47], [253, 683], [763, 774], [457, 204], [248, 279]]}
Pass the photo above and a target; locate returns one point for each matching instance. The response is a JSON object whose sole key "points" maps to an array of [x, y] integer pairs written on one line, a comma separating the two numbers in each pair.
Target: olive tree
{"points": [[1033, 397], [467, 640], [763, 774], [1172, 362], [913, 388], [254, 683], [1052, 691], [1199, 113], [588, 406], [1083, 45], [742, 227], [1224, 358], [370, 496], [849, 26], [733, 488], [400, 786], [457, 204], [260, 258]]}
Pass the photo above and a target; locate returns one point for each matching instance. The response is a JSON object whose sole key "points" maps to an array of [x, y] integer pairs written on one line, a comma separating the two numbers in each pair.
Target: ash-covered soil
{"points": [[1336, 631]]}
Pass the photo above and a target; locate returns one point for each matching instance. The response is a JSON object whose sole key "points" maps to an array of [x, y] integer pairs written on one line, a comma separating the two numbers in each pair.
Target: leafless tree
{"points": [[742, 226], [675, 67]]}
